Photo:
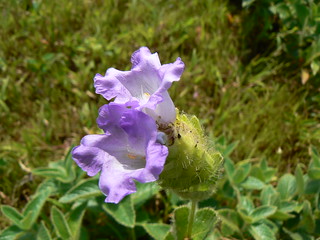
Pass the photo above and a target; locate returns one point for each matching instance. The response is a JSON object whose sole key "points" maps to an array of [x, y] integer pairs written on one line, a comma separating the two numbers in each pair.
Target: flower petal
{"points": [[90, 159], [139, 127], [171, 72], [109, 86], [147, 82], [127, 151], [116, 183]]}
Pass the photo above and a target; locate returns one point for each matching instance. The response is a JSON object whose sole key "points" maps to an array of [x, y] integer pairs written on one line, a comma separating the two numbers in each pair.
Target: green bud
{"points": [[192, 167]]}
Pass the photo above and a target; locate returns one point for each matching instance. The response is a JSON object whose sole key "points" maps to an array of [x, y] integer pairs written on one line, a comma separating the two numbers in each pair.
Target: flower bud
{"points": [[192, 166]]}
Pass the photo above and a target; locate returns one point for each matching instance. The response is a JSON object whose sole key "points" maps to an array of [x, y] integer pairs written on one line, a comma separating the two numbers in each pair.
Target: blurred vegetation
{"points": [[252, 75]]}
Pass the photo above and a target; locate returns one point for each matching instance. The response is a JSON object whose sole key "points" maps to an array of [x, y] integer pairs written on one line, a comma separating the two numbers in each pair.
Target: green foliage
{"points": [[123, 213], [205, 219], [244, 68], [248, 204], [43, 232], [293, 25], [274, 207], [60, 223], [49, 56]]}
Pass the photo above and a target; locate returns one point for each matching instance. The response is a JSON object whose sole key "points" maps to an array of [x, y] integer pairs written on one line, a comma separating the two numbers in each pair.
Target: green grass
{"points": [[50, 52]]}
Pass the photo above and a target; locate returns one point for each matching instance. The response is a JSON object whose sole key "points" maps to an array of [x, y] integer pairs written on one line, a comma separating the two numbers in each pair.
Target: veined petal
{"points": [[109, 86], [144, 54], [127, 151], [147, 82], [116, 183], [90, 159], [171, 72]]}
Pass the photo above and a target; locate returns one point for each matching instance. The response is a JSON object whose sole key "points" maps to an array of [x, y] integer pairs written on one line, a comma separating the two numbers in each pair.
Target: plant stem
{"points": [[133, 234], [191, 218]]}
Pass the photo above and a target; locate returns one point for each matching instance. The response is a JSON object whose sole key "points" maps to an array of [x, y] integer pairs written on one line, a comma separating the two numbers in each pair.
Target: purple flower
{"points": [[127, 151], [146, 83]]}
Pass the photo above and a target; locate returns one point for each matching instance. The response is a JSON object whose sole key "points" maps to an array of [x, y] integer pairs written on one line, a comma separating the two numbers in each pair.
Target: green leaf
{"points": [[267, 172], [75, 220], [262, 212], [314, 173], [229, 167], [48, 184], [10, 233], [312, 187], [60, 224], [157, 231], [180, 225], [43, 233], [245, 215], [205, 220], [68, 162], [287, 186], [269, 196], [253, 183], [12, 213], [282, 9], [25, 224], [247, 3], [204, 223], [49, 172], [86, 188], [226, 230], [144, 192], [294, 236], [308, 219], [241, 172], [246, 203], [281, 215], [33, 208], [229, 149], [288, 206], [264, 164], [123, 212], [315, 157], [273, 226], [61, 171], [261, 232], [300, 180], [230, 218], [169, 236], [257, 172], [315, 66], [302, 13]]}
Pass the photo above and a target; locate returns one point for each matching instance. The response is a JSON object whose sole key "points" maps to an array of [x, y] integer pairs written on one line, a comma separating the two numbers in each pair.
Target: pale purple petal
{"points": [[127, 151], [147, 82], [90, 159], [131, 122], [115, 182], [144, 54], [109, 87], [155, 151], [171, 72]]}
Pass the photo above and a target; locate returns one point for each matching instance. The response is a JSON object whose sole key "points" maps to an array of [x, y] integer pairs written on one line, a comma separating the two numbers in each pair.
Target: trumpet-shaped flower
{"points": [[146, 83], [127, 151]]}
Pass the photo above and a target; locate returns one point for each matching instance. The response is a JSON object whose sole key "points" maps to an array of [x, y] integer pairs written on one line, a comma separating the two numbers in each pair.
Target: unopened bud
{"points": [[192, 167]]}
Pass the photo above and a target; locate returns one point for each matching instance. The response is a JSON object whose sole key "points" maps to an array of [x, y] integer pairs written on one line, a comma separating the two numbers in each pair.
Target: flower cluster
{"points": [[133, 144]]}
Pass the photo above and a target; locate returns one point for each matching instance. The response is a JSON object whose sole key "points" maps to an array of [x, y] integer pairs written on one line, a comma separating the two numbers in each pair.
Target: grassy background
{"points": [[236, 84]]}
